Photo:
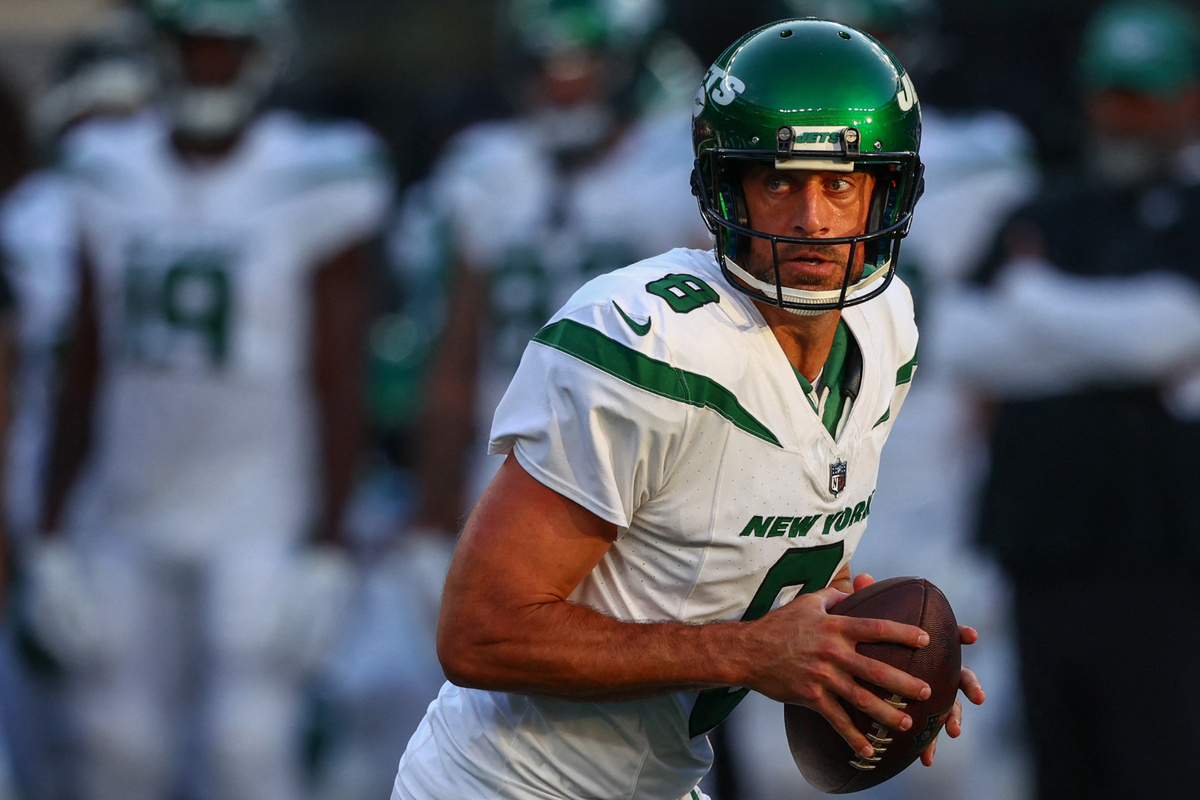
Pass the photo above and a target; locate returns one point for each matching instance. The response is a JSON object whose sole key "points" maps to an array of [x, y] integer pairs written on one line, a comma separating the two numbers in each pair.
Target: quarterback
{"points": [[692, 445]]}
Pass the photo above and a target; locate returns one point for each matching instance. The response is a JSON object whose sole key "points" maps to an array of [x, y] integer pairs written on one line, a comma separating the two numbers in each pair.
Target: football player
{"points": [[691, 449], [979, 165], [107, 71], [589, 174], [210, 420]]}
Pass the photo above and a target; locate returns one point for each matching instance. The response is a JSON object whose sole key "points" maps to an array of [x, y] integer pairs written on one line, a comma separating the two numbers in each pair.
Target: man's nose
{"points": [[811, 213]]}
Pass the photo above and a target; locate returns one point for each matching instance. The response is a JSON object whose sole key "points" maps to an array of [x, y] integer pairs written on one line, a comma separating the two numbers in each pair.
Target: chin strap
{"points": [[802, 302]]}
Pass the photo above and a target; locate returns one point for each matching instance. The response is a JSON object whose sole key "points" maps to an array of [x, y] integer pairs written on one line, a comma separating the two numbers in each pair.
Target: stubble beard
{"points": [[762, 266]]}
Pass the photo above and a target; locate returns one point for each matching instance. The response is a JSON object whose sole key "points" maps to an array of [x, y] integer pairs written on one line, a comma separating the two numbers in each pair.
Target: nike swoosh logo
{"points": [[640, 330]]}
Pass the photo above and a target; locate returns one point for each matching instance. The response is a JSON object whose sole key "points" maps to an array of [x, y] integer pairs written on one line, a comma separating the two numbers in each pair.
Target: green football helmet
{"points": [[572, 43], [207, 111], [1144, 46], [808, 94], [545, 28]]}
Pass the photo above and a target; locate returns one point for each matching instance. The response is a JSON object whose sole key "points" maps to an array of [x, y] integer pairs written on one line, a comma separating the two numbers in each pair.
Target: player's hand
{"points": [[62, 608], [811, 661], [971, 688], [313, 606]]}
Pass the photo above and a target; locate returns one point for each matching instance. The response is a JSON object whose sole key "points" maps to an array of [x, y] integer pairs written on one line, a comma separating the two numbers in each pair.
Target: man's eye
{"points": [[776, 184]]}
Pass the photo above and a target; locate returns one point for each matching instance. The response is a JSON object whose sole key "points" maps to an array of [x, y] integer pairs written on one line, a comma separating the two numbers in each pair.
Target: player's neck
{"points": [[201, 151], [805, 340], [576, 160]]}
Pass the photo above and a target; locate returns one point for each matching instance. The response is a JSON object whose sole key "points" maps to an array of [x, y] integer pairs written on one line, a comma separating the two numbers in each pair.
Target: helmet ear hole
{"points": [[882, 205], [732, 205]]}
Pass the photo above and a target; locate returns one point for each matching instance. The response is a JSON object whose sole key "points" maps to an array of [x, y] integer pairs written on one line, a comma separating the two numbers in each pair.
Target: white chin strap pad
{"points": [[802, 300]]}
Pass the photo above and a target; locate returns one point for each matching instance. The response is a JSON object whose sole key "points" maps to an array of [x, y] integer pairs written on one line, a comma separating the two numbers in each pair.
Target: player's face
{"points": [[1134, 115], [571, 78], [809, 205], [213, 60]]}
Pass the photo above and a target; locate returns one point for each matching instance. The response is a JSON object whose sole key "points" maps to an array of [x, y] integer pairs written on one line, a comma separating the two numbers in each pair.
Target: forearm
{"points": [[569, 651], [447, 427], [71, 424], [342, 434], [340, 312]]}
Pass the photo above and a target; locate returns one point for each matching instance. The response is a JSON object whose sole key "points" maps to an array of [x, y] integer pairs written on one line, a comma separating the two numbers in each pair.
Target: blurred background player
{"points": [[590, 173], [1084, 332], [106, 71], [979, 163], [210, 417]]}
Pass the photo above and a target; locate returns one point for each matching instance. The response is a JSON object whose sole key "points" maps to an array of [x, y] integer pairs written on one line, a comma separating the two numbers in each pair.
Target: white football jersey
{"points": [[659, 399], [204, 426], [539, 232]]}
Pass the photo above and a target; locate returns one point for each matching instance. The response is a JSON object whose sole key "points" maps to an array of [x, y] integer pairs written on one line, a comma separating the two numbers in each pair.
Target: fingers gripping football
{"points": [[970, 687], [818, 665], [819, 743]]}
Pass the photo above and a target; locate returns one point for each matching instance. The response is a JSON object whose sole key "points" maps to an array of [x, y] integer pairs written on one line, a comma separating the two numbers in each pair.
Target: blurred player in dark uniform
{"points": [[1085, 332]]}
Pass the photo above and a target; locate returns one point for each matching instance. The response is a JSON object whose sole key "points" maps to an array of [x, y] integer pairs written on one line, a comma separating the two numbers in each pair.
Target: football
{"points": [[824, 758]]}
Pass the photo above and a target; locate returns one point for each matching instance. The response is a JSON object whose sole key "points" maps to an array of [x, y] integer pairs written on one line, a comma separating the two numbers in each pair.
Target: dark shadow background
{"points": [[419, 69]]}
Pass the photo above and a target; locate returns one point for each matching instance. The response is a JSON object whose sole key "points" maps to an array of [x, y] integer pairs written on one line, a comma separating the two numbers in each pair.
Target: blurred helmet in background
{"points": [[1139, 67], [1145, 46], [574, 67], [220, 59]]}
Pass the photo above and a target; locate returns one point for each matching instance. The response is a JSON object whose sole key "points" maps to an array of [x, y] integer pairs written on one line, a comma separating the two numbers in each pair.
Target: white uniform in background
{"points": [[538, 232], [660, 400], [202, 474]]}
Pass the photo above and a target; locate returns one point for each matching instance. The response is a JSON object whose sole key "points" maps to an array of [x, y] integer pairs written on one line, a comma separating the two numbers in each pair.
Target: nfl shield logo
{"points": [[837, 477]]}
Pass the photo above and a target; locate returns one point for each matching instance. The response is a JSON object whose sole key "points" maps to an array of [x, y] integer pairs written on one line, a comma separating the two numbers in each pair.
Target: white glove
{"points": [[62, 608], [315, 605]]}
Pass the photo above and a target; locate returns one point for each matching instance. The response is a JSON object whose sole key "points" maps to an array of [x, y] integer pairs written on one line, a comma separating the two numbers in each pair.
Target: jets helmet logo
{"points": [[718, 86]]}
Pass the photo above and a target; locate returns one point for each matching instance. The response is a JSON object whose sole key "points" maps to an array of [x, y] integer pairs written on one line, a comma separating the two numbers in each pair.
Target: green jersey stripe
{"points": [[905, 373], [657, 377]]}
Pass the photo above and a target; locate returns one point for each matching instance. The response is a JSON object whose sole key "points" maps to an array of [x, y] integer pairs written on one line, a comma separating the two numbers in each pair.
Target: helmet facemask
{"points": [[722, 202]]}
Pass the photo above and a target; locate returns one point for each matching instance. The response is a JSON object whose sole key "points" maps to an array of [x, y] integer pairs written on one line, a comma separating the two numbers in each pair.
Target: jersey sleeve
{"points": [[580, 419]]}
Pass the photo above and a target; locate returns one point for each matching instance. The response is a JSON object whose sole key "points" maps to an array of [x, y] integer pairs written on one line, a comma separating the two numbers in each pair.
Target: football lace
{"points": [[879, 739]]}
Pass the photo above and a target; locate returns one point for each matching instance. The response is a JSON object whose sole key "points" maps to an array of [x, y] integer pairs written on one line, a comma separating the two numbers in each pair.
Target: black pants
{"points": [[1110, 664]]}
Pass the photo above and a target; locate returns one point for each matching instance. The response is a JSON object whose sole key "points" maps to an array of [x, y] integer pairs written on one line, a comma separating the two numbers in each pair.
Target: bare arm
{"points": [[447, 426], [72, 419], [506, 624], [8, 358], [339, 330]]}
